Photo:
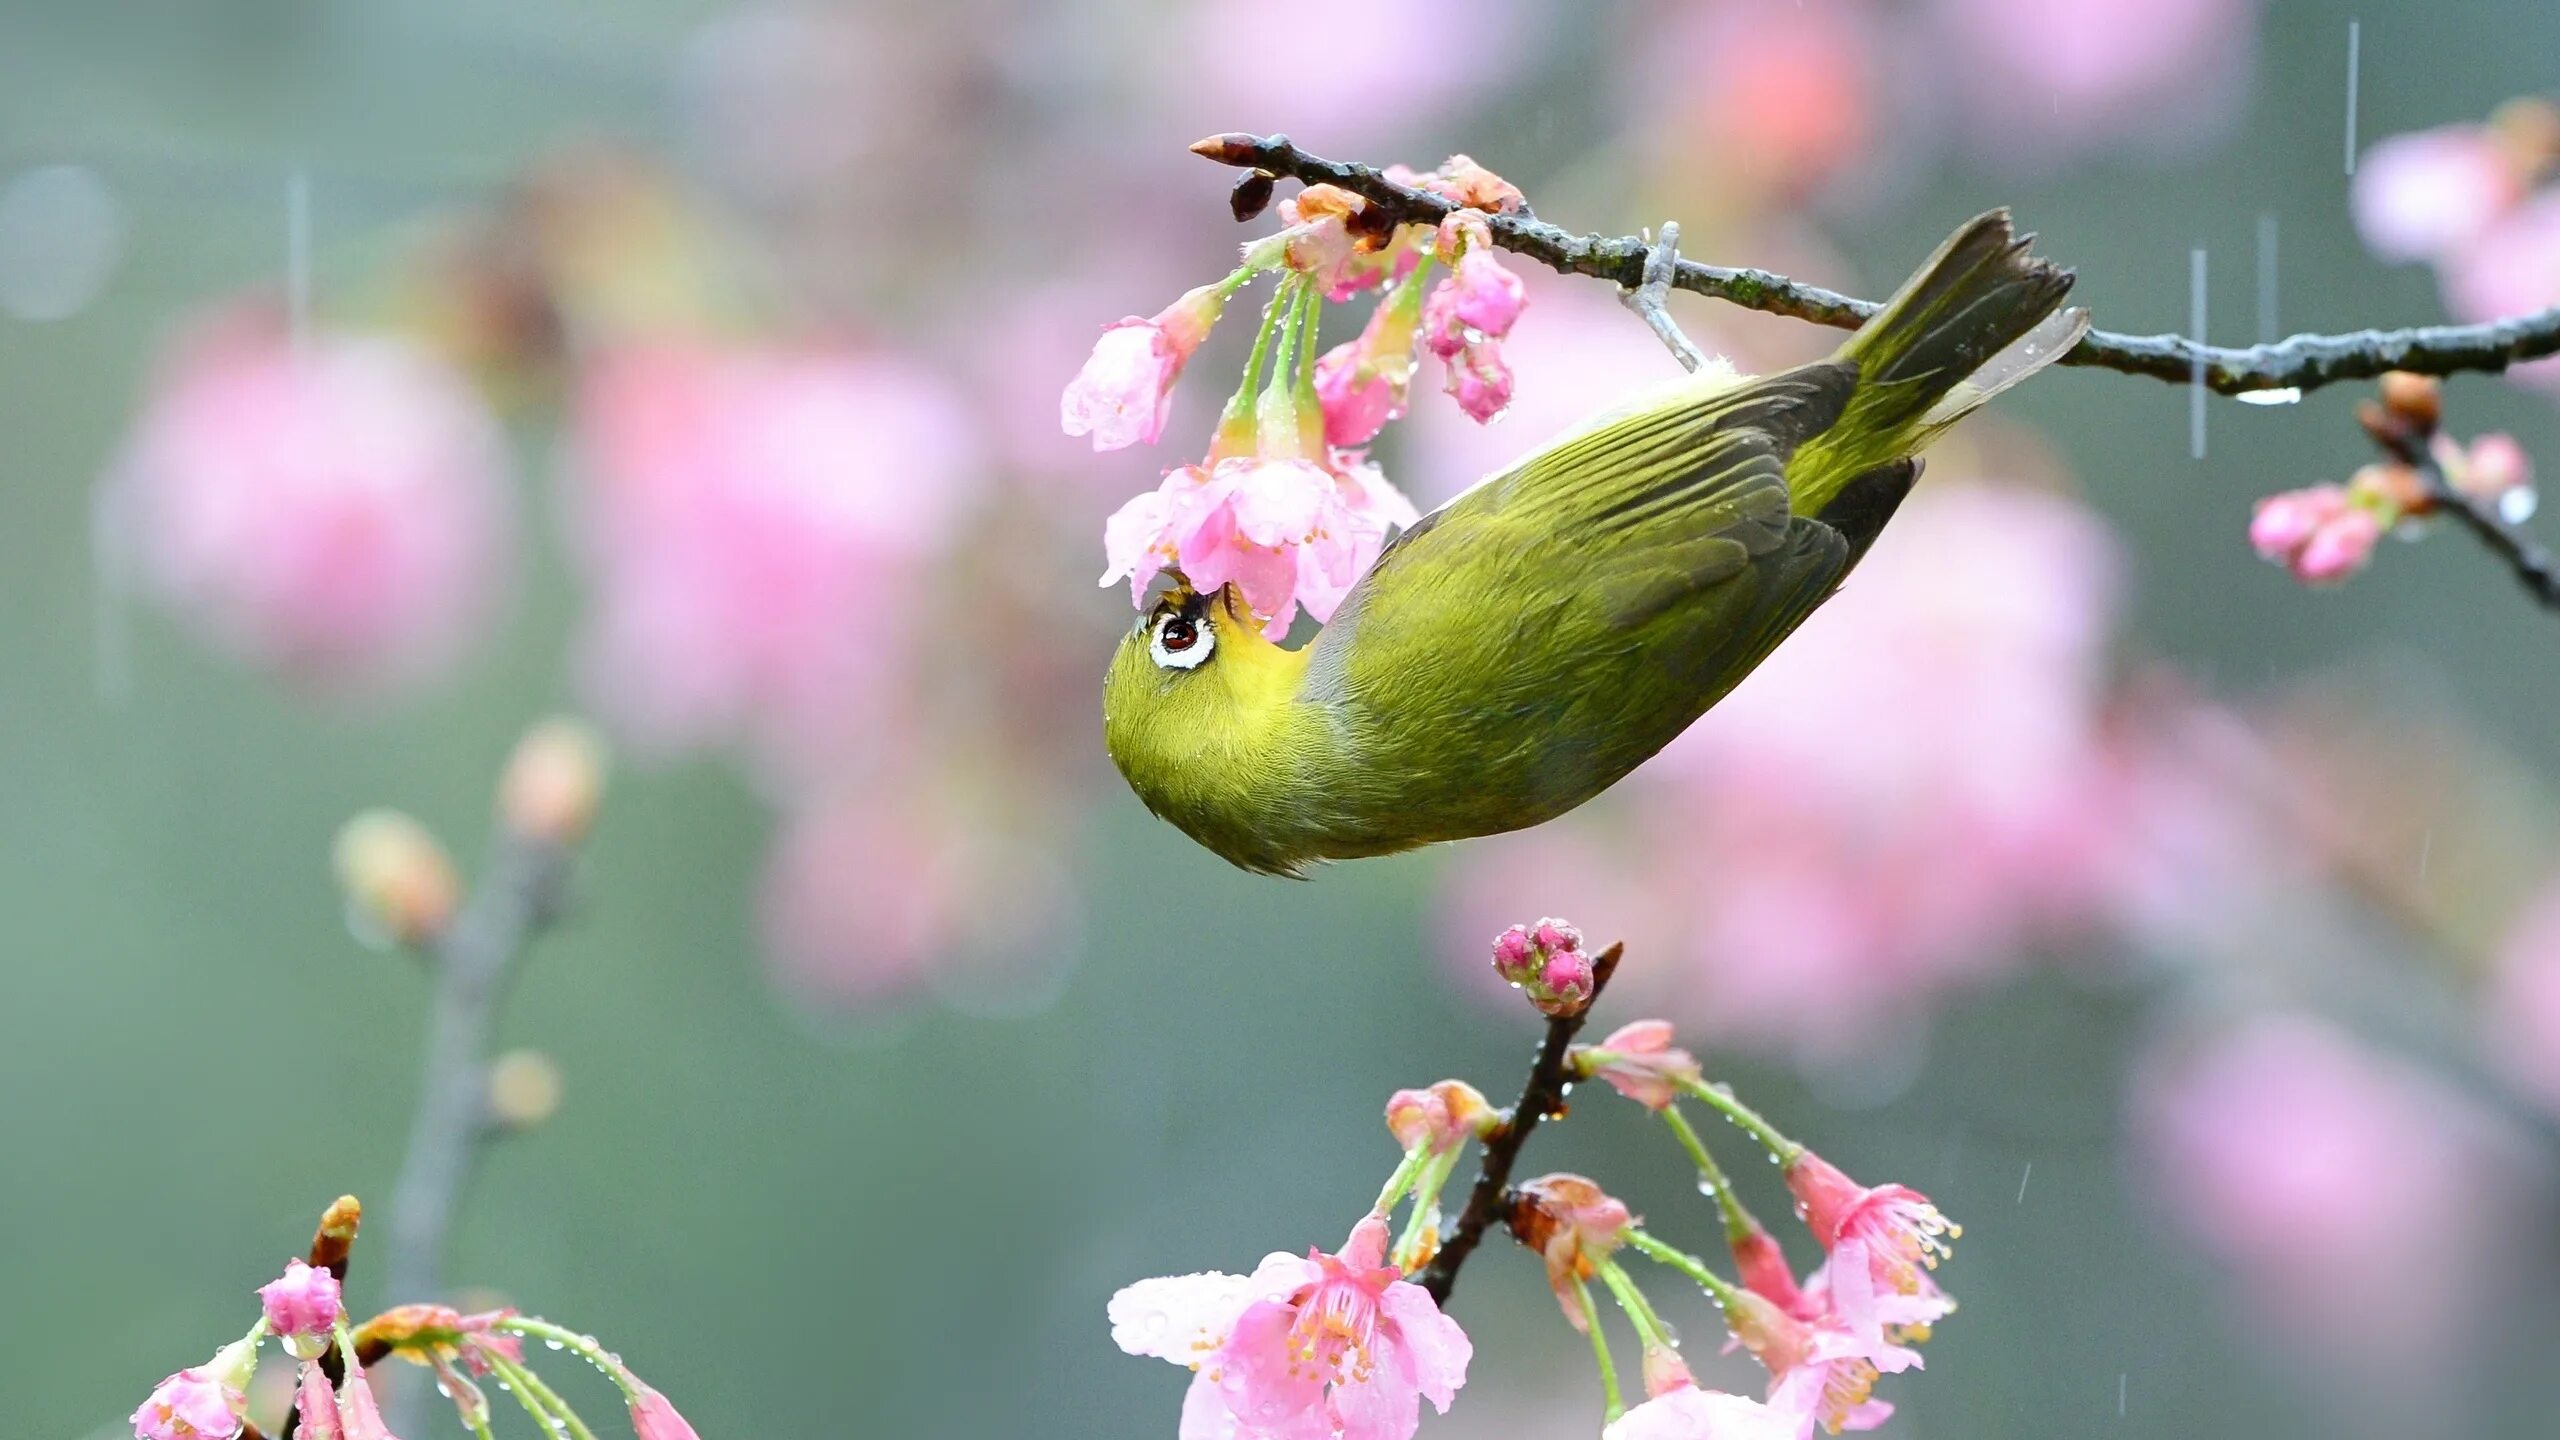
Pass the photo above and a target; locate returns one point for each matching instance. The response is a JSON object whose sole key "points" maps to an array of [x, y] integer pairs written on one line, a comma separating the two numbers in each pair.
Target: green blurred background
{"points": [[907, 1224]]}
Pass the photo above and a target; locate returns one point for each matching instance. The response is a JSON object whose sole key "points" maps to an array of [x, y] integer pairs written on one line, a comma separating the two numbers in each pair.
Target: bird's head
{"points": [[1190, 695]]}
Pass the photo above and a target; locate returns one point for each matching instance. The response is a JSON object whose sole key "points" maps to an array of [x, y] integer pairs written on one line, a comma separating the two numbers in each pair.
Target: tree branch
{"points": [[1541, 1096], [519, 896], [2303, 362], [2533, 565]]}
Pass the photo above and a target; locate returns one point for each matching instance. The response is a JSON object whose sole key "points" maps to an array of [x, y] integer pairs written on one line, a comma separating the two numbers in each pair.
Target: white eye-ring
{"points": [[1181, 642]]}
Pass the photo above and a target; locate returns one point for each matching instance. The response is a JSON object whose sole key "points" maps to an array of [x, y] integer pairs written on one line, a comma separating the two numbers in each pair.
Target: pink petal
{"points": [[1205, 1415], [1384, 1407], [1439, 1349], [1259, 1373]]}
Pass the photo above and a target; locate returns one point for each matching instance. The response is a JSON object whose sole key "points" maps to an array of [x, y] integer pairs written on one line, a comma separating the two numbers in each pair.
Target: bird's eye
{"points": [[1181, 642]]}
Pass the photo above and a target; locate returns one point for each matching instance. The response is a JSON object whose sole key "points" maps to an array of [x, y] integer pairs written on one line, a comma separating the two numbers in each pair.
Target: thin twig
{"points": [[1541, 1095], [2533, 566], [2302, 362], [519, 896]]}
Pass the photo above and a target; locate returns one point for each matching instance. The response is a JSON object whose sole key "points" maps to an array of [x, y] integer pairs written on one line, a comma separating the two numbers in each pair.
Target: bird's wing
{"points": [[1625, 527]]}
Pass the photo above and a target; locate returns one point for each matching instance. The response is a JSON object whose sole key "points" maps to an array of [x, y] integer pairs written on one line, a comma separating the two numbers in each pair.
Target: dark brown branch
{"points": [[1540, 1097], [2303, 362]]}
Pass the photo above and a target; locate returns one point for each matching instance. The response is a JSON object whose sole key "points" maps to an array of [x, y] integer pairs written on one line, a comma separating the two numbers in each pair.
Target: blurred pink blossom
{"points": [[2429, 193], [338, 513], [2319, 533], [859, 901], [301, 1307], [2522, 1009], [756, 526], [2513, 268], [1347, 73], [2335, 1184], [1772, 101], [2041, 80]]}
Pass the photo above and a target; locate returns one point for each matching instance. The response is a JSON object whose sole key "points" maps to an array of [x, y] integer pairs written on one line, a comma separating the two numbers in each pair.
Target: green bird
{"points": [[1530, 642]]}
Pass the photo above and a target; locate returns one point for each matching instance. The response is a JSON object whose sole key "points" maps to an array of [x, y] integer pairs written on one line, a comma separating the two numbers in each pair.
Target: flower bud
{"points": [[316, 1401], [1665, 1371], [202, 1402], [524, 1090], [1546, 962], [1441, 1117], [358, 1410], [302, 1307], [1573, 1224], [399, 883], [653, 1417], [2388, 487], [553, 782], [1639, 1061], [2416, 400]]}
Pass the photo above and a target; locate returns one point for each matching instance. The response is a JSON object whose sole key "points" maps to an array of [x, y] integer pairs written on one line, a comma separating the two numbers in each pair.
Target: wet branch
{"points": [[1541, 1096], [2302, 362], [2533, 566]]}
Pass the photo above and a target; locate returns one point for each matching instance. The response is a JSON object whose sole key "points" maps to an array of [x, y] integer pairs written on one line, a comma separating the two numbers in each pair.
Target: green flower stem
{"points": [[1600, 1352], [1640, 1311], [1407, 1171], [1776, 1144], [1276, 416], [1436, 1171], [1738, 1222], [1303, 395], [537, 1397], [1235, 423], [585, 1347], [1687, 1264]]}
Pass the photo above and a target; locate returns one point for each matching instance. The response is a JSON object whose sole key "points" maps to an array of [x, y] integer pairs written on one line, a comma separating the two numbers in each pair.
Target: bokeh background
{"points": [[2182, 929]]}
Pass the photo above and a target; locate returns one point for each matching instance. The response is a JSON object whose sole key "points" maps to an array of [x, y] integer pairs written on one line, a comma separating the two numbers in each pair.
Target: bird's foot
{"points": [[1649, 298]]}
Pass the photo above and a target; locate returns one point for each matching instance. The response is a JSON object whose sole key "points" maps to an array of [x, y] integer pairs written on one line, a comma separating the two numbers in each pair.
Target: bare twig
{"points": [[519, 896], [2532, 564], [1541, 1096], [2302, 362]]}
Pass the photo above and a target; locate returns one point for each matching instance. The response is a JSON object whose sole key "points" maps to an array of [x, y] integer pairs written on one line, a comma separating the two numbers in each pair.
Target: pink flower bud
{"points": [[1480, 381], [1639, 1061], [1358, 401], [302, 1307], [654, 1418], [1441, 1117], [2339, 548], [1567, 977], [1546, 961], [2284, 523], [1489, 297]]}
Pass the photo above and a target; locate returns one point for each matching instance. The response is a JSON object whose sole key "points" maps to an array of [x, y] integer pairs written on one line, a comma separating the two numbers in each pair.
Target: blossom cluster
{"points": [[333, 1395], [1285, 506], [1348, 1344], [2324, 533]]}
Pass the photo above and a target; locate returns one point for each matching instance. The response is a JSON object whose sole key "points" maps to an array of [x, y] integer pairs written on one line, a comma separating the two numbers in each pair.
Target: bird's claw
{"points": [[1649, 297]]}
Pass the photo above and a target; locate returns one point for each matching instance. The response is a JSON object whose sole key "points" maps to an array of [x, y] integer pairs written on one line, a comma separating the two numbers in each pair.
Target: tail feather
{"points": [[1976, 318]]}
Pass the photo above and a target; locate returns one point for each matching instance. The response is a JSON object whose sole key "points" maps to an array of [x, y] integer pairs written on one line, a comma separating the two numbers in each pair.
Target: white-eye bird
{"points": [[1543, 633]]}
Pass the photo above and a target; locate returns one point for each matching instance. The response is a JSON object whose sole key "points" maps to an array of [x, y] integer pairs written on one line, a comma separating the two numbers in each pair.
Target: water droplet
{"points": [[2288, 395], [441, 1388], [554, 1345], [2517, 505], [1706, 1185]]}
